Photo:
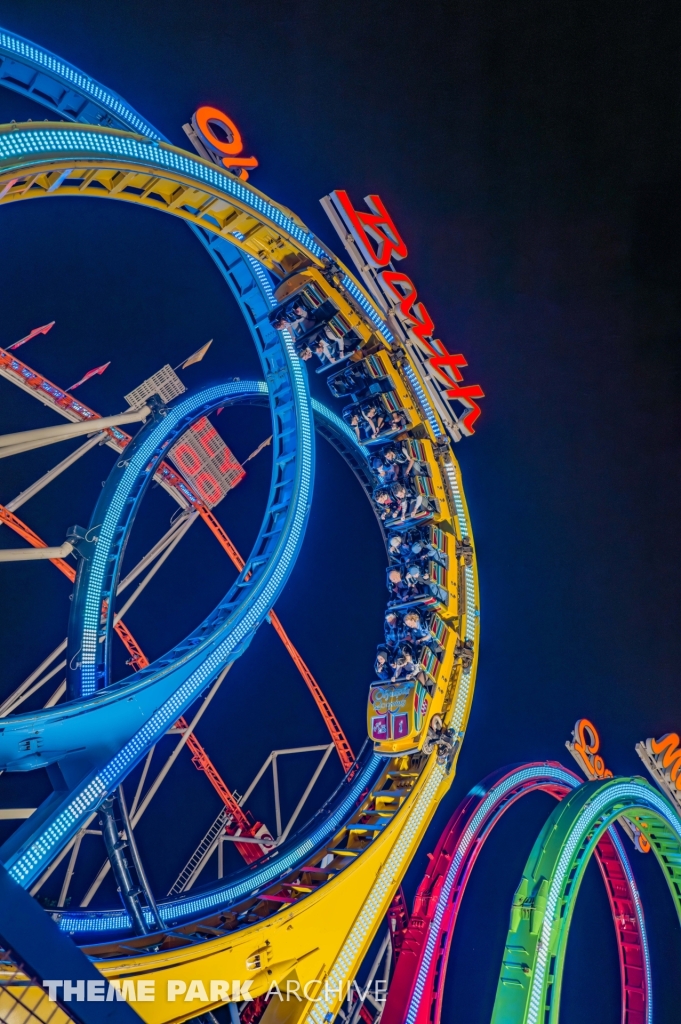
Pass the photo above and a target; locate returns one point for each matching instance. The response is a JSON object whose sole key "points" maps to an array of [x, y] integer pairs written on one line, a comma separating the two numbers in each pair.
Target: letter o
{"points": [[203, 118], [186, 458]]}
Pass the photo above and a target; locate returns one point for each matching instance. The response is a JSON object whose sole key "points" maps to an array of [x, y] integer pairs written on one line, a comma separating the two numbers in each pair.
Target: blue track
{"points": [[95, 741], [83, 776]]}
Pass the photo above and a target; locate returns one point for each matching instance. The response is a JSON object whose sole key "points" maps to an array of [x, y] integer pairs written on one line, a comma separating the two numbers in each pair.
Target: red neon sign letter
{"points": [[444, 363], [402, 288], [378, 224]]}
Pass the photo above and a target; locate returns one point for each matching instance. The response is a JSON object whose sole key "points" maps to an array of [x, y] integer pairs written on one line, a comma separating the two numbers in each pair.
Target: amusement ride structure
{"points": [[310, 901]]}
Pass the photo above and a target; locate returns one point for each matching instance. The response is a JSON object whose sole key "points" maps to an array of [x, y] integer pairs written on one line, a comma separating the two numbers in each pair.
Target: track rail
{"points": [[541, 913], [265, 925], [417, 988], [164, 690]]}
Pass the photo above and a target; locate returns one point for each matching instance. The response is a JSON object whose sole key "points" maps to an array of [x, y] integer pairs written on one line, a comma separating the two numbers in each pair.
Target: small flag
{"points": [[258, 450], [91, 373], [196, 357], [36, 331]]}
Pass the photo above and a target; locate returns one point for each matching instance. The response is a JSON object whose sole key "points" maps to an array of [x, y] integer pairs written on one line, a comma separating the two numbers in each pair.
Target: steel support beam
{"points": [[35, 940]]}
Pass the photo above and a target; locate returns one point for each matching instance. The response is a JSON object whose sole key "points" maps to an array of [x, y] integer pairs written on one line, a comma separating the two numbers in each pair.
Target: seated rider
{"points": [[399, 458], [392, 628], [414, 631], [408, 504], [374, 416], [397, 420], [415, 576], [399, 548], [386, 472], [404, 664], [382, 667], [399, 589], [323, 350], [295, 316], [424, 552], [386, 503]]}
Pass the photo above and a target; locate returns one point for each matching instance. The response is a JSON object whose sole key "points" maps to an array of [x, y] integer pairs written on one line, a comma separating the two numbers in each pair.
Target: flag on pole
{"points": [[195, 357], [36, 331], [258, 450], [91, 373]]}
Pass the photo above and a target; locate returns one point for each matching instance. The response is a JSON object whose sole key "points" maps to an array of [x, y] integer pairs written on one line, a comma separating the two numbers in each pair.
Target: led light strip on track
{"points": [[532, 968], [417, 987], [354, 852]]}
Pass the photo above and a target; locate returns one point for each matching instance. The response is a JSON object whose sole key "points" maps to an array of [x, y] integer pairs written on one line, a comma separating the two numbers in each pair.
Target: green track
{"points": [[532, 969]]}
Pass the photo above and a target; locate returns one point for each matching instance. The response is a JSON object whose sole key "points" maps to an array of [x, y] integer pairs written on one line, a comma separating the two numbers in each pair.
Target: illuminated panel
{"points": [[205, 460], [108, 99]]}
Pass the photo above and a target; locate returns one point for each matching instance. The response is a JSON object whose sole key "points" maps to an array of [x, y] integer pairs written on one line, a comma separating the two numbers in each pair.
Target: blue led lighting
{"points": [[91, 794], [81, 83], [224, 895], [339, 425], [258, 598], [278, 359], [82, 144]]}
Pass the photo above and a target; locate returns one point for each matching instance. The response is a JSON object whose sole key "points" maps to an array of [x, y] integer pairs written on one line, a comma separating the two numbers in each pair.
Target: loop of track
{"points": [[325, 933], [417, 987], [541, 913]]}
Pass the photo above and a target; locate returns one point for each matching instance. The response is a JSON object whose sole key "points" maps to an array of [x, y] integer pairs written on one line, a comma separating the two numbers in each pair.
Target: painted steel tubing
{"points": [[417, 988], [532, 967]]}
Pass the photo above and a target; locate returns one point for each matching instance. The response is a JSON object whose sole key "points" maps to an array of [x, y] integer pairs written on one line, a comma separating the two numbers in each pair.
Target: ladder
{"points": [[203, 850]]}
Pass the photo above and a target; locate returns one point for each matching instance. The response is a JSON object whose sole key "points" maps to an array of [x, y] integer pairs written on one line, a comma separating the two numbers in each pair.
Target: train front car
{"points": [[427, 644]]}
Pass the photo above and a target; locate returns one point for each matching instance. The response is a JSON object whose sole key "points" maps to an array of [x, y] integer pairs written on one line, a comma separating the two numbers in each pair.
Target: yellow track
{"points": [[325, 934]]}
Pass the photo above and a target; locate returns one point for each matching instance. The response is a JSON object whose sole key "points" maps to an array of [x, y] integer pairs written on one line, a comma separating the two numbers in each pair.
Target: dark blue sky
{"points": [[530, 154]]}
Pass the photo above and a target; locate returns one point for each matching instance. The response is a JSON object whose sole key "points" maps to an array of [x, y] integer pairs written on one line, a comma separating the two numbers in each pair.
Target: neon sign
{"points": [[374, 242], [584, 747], [206, 462], [664, 755], [217, 138]]}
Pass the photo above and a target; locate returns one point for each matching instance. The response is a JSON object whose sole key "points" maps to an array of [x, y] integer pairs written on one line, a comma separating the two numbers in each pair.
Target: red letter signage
{"points": [[379, 242], [377, 226]]}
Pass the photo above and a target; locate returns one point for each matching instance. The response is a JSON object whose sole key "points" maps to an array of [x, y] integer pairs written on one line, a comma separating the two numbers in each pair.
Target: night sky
{"points": [[530, 153]]}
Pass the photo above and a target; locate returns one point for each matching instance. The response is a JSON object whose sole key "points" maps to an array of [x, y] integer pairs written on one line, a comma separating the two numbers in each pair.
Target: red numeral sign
{"points": [[206, 462]]}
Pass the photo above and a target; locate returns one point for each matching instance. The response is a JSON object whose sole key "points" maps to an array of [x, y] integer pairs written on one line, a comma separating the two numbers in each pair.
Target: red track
{"points": [[240, 820], [416, 990]]}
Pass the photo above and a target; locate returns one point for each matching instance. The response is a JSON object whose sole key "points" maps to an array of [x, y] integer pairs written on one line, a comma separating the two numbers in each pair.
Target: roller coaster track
{"points": [[532, 968], [38, 386], [310, 909], [417, 987]]}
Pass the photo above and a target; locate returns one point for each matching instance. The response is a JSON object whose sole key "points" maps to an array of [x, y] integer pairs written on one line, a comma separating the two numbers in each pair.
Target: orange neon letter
{"points": [[587, 743], [668, 747], [229, 147], [377, 226]]}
